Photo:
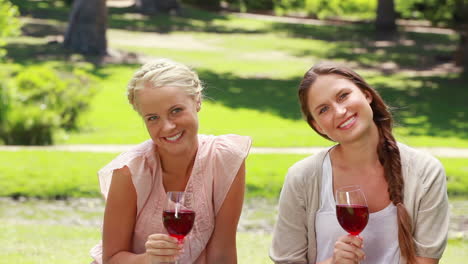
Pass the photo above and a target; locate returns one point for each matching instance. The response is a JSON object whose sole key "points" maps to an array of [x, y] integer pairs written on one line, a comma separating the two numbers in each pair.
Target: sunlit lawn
{"points": [[42, 243], [251, 69], [55, 174], [37, 231]]}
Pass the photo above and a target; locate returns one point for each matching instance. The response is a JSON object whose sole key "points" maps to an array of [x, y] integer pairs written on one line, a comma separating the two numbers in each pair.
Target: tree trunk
{"points": [[386, 16], [460, 21], [461, 55], [152, 7], [86, 32]]}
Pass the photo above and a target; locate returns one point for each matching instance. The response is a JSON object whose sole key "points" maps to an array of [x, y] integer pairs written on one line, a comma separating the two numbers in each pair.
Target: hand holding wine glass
{"points": [[178, 215], [351, 209]]}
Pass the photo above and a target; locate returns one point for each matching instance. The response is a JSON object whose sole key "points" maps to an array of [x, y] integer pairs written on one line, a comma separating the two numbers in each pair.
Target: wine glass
{"points": [[351, 209], [178, 214]]}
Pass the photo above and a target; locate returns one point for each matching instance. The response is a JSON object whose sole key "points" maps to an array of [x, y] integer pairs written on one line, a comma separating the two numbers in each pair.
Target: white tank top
{"points": [[380, 235]]}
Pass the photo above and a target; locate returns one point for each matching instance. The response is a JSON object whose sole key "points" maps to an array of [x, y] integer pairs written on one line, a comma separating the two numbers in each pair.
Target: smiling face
{"points": [[170, 116], [340, 110]]}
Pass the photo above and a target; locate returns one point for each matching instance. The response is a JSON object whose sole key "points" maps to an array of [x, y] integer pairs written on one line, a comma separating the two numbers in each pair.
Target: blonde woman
{"points": [[168, 96]]}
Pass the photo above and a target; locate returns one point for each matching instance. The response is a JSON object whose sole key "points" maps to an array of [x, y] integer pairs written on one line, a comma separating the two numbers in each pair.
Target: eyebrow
{"points": [[178, 105], [336, 95], [169, 110], [150, 114]]}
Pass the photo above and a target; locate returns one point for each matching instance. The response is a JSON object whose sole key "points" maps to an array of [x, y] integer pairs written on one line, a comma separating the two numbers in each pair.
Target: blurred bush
{"points": [[38, 101]]}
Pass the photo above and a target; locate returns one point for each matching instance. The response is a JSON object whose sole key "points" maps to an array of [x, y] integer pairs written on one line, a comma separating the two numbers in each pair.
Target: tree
{"points": [[152, 7], [86, 32], [385, 20]]}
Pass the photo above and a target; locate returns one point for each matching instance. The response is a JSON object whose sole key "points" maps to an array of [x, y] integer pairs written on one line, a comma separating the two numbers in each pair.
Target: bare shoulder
{"points": [[122, 185]]}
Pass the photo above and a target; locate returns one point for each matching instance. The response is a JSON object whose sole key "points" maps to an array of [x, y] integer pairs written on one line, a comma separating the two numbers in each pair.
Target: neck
{"points": [[361, 152], [179, 165]]}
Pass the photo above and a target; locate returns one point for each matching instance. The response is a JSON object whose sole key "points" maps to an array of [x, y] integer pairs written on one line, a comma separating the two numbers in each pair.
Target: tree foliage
{"points": [[448, 13], [9, 22]]}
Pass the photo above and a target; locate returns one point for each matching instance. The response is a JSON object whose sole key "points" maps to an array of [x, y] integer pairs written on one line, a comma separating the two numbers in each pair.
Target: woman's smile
{"points": [[175, 138], [348, 123]]}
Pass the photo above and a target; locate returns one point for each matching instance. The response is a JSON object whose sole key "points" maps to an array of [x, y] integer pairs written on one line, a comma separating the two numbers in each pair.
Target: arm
{"points": [[222, 245], [432, 211], [290, 242], [119, 223], [119, 220]]}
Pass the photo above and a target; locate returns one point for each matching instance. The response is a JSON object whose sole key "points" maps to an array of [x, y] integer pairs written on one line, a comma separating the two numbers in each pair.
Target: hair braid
{"points": [[389, 157]]}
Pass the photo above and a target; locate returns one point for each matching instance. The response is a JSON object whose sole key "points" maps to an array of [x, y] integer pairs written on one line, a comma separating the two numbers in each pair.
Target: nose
{"points": [[340, 109], [168, 125]]}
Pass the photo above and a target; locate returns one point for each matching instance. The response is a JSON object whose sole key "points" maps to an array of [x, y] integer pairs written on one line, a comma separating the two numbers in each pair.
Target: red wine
{"points": [[179, 226], [353, 218]]}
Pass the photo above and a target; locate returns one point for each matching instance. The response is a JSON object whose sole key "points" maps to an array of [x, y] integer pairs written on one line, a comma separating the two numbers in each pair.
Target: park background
{"points": [[65, 64]]}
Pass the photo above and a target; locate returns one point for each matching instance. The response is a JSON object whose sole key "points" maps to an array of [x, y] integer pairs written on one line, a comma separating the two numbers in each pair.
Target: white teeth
{"points": [[347, 122], [174, 137]]}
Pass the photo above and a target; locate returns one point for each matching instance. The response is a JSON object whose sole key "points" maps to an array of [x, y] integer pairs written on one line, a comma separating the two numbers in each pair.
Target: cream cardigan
{"points": [[425, 197]]}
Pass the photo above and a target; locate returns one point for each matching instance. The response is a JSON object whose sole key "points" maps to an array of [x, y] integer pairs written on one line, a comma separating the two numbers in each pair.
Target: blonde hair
{"points": [[164, 72]]}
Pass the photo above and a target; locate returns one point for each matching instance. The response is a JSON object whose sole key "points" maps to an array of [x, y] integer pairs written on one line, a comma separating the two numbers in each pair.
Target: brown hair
{"points": [[387, 149]]}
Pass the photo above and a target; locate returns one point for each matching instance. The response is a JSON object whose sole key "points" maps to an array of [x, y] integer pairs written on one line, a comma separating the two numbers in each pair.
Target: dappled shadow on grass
{"points": [[39, 30], [435, 108], [128, 18], [359, 43], [276, 96], [27, 54], [46, 9], [191, 20], [355, 42], [32, 54]]}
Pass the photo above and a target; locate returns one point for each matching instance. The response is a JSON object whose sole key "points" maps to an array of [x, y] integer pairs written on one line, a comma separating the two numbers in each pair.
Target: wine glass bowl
{"points": [[178, 215], [351, 209]]}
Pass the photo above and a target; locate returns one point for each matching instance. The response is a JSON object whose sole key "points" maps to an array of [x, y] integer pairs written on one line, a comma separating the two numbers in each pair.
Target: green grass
{"points": [[42, 243], [54, 174], [236, 105], [251, 69]]}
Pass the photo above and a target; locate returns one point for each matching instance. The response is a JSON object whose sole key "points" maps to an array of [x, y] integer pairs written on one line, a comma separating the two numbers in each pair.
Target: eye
{"points": [[323, 109], [343, 96], [176, 110], [152, 118]]}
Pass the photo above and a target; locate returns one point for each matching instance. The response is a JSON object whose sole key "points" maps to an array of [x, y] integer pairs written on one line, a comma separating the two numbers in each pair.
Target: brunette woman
{"points": [[405, 188]]}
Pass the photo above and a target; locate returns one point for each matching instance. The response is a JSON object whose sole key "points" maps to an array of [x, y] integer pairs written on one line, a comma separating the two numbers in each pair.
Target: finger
{"points": [[343, 256], [162, 244], [164, 252], [348, 251], [350, 239], [160, 259], [162, 237]]}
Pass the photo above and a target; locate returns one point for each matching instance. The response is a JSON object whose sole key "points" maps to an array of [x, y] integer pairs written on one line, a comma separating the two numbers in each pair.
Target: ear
{"points": [[198, 105], [368, 96], [315, 125]]}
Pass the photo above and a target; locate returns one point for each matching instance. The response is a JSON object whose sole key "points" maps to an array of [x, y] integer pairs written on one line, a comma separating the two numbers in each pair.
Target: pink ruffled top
{"points": [[217, 162]]}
